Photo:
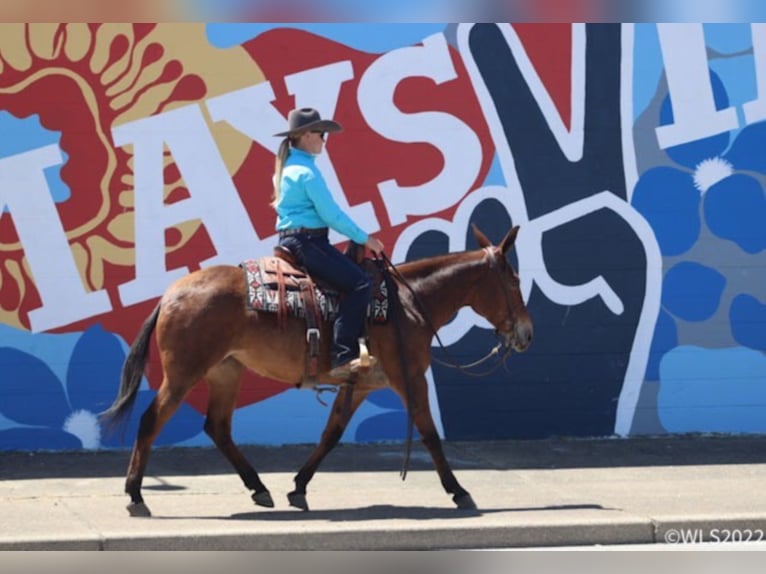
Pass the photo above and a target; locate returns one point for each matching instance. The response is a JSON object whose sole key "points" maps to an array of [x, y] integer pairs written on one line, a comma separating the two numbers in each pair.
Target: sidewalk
{"points": [[529, 494]]}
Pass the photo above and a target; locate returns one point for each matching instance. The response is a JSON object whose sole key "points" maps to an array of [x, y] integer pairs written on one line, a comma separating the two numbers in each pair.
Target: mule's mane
{"points": [[441, 283], [429, 267]]}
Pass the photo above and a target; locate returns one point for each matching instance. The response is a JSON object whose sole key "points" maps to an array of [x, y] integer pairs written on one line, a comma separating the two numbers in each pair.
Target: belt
{"points": [[310, 231]]}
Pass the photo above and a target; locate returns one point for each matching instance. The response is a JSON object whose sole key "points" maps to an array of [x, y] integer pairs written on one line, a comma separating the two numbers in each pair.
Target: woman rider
{"points": [[305, 211]]}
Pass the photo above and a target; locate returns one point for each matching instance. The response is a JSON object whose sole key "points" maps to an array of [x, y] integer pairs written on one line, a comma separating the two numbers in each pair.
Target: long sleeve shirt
{"points": [[306, 201]]}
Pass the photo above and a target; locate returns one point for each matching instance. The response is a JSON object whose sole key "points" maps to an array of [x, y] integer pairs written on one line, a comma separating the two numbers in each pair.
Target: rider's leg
{"points": [[326, 263]]}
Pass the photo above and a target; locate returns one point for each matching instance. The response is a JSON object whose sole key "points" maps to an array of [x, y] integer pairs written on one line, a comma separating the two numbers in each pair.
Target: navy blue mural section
{"points": [[549, 180], [569, 381]]}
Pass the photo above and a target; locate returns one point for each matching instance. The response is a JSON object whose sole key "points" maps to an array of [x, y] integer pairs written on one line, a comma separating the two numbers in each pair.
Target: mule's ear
{"points": [[480, 237], [509, 239]]}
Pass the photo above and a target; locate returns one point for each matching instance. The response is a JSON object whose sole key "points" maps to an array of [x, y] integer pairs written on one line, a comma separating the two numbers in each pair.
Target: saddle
{"points": [[278, 284]]}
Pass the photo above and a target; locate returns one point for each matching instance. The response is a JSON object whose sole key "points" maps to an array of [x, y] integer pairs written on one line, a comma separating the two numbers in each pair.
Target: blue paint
{"points": [[373, 37], [36, 403], [385, 399], [735, 209], [648, 67], [667, 198], [53, 350], [712, 390], [22, 135], [292, 417], [665, 338], [495, 174], [391, 426], [748, 321], [728, 38], [32, 394], [21, 438], [746, 152], [692, 292]]}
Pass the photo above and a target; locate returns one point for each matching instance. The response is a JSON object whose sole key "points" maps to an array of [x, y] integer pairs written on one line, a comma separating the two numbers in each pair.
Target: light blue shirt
{"points": [[306, 201]]}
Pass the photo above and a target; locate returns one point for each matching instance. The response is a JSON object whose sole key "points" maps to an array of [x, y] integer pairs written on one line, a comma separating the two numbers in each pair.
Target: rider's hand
{"points": [[374, 245]]}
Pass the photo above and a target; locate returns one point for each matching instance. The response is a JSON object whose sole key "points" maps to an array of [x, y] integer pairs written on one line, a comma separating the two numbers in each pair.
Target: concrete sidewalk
{"points": [[529, 494]]}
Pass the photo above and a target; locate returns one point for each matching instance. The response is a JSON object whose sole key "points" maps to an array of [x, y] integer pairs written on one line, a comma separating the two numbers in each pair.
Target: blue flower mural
{"points": [[707, 207], [42, 412]]}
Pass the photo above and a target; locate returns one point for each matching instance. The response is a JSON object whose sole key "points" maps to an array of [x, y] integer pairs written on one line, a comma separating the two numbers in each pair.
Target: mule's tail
{"points": [[132, 373]]}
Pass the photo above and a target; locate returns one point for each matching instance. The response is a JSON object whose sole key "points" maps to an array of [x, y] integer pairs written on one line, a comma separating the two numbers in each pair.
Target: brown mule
{"points": [[205, 330]]}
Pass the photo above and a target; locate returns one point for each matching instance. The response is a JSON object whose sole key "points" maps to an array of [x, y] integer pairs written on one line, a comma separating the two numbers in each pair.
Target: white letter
{"points": [[249, 111], [691, 93], [25, 191], [213, 198], [458, 144], [319, 88]]}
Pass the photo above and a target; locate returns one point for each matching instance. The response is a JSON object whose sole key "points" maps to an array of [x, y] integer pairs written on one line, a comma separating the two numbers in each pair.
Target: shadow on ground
{"points": [[377, 512]]}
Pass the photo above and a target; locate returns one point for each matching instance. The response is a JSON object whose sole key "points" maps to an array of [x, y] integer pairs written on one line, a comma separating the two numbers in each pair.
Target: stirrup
{"points": [[354, 366], [363, 363]]}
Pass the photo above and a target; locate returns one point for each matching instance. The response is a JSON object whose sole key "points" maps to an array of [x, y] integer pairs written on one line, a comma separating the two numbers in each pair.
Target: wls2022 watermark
{"points": [[723, 535]]}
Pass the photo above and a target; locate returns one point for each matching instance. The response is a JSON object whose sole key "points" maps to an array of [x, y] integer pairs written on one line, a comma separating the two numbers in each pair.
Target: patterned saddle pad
{"points": [[263, 293]]}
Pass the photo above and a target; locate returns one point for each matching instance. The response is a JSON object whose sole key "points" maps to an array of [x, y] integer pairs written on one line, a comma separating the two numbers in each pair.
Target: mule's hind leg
{"points": [[155, 416], [430, 438], [223, 381], [342, 411]]}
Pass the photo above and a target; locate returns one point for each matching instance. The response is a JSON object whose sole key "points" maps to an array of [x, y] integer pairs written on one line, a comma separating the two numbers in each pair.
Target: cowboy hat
{"points": [[305, 119]]}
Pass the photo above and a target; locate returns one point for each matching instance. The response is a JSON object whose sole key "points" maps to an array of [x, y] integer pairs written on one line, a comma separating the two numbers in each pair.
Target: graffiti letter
{"points": [[691, 94], [37, 223], [456, 141], [214, 199], [250, 111], [320, 88]]}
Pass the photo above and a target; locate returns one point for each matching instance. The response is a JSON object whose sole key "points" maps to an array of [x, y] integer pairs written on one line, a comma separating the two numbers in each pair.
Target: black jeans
{"points": [[326, 263]]}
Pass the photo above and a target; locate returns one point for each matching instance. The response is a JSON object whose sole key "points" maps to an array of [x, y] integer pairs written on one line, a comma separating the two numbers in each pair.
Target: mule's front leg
{"points": [[425, 425], [461, 497], [343, 408]]}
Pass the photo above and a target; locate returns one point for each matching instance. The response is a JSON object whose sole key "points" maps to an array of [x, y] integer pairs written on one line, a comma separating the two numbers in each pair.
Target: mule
{"points": [[205, 331]]}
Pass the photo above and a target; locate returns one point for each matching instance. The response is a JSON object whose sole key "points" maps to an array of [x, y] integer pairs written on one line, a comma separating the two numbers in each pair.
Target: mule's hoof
{"points": [[298, 500], [464, 502], [263, 498], [138, 509]]}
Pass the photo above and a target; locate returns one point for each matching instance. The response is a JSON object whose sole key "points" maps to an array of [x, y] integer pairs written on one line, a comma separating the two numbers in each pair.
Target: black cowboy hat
{"points": [[305, 119]]}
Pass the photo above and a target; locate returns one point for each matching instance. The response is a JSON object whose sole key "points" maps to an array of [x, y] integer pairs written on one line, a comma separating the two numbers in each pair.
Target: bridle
{"points": [[501, 350]]}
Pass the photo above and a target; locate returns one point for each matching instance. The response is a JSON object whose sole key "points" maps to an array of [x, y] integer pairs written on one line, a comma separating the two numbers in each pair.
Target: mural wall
{"points": [[632, 157]]}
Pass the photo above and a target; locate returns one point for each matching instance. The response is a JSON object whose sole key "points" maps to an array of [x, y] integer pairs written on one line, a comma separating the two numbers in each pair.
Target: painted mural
{"points": [[632, 157]]}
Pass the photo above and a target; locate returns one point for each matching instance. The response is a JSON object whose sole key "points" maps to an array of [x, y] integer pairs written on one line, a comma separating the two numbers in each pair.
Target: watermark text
{"points": [[723, 535]]}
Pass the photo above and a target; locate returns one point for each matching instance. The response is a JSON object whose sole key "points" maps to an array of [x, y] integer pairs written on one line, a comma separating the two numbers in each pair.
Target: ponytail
{"points": [[279, 162]]}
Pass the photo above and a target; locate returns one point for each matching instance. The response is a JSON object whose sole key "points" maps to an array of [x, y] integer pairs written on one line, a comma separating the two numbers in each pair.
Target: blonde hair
{"points": [[279, 163]]}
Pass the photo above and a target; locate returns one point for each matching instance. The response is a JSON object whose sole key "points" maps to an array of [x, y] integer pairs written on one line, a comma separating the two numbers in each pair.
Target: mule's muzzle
{"points": [[519, 338], [523, 337]]}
